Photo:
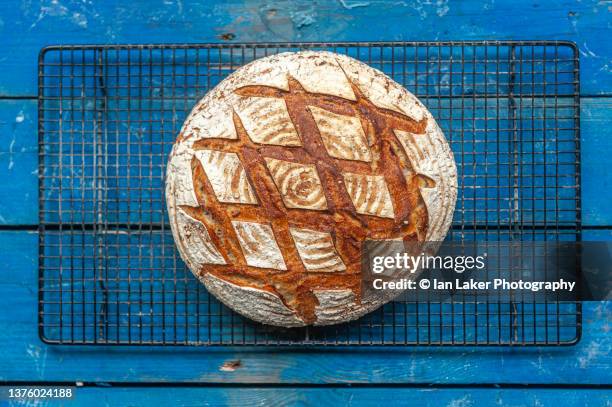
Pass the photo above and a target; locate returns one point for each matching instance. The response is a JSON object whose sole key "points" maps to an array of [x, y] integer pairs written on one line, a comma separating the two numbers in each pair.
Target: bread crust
{"points": [[320, 152]]}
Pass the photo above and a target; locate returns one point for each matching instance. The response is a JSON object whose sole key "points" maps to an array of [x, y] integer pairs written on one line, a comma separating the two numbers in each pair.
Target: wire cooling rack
{"points": [[108, 116]]}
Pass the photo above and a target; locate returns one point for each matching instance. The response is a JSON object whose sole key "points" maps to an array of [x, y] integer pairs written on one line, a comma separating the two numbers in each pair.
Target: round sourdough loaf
{"points": [[283, 170]]}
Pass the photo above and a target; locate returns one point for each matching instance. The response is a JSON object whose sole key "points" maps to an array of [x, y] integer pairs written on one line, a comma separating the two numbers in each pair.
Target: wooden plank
{"points": [[586, 363], [27, 29], [479, 131], [138, 291], [18, 162], [255, 396], [19, 166], [595, 121]]}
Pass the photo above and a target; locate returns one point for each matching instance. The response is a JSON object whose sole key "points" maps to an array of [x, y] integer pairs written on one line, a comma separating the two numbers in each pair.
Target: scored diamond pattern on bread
{"points": [[283, 208]]}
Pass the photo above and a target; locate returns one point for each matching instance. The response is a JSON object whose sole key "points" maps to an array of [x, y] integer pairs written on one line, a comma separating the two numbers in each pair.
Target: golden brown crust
{"points": [[284, 169], [348, 228]]}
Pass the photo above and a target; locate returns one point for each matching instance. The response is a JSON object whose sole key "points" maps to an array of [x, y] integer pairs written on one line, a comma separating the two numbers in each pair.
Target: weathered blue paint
{"points": [[586, 363], [27, 27], [19, 162], [426, 397], [596, 146]]}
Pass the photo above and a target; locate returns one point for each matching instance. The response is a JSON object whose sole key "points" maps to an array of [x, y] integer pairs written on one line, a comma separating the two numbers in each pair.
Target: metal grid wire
{"points": [[108, 116]]}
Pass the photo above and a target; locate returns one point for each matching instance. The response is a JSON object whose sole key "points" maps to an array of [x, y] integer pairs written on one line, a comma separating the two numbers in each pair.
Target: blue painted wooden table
{"points": [[429, 376]]}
